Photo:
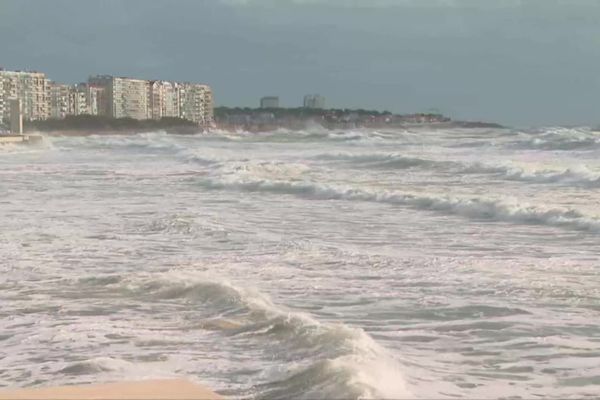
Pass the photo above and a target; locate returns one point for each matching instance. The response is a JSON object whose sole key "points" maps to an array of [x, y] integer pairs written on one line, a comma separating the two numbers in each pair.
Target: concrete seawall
{"points": [[20, 139]]}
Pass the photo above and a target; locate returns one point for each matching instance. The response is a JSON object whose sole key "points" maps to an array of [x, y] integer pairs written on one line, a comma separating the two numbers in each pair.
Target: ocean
{"points": [[417, 263]]}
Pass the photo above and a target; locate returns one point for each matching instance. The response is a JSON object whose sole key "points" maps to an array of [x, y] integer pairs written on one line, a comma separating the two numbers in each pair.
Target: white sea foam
{"points": [[560, 139], [323, 264], [475, 208], [379, 160], [366, 369], [578, 175]]}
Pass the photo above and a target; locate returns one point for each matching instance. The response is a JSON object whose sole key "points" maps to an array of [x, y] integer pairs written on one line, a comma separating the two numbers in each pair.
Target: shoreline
{"points": [[259, 129], [155, 389]]}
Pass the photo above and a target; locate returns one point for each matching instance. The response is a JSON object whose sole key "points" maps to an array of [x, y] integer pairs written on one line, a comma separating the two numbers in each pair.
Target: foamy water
{"points": [[317, 264]]}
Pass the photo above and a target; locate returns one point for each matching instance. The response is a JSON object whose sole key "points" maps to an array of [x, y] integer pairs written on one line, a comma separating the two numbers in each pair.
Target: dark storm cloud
{"points": [[522, 62]]}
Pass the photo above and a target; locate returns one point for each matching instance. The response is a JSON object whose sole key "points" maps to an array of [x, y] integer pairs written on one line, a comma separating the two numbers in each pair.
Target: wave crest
{"points": [[335, 358], [474, 208]]}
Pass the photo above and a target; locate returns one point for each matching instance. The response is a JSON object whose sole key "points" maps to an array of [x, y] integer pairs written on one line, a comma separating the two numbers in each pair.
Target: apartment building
{"points": [[141, 99], [164, 99], [126, 97], [117, 97], [31, 88], [314, 101], [2, 104], [269, 102], [78, 100], [196, 103], [130, 98], [61, 100], [90, 99]]}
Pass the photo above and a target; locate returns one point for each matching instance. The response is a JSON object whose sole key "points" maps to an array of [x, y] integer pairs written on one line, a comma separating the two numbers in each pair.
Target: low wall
{"points": [[20, 139], [12, 139]]}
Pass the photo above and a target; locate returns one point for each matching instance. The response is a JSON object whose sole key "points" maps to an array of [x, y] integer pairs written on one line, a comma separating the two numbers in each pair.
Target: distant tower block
{"points": [[16, 117], [314, 101], [269, 102]]}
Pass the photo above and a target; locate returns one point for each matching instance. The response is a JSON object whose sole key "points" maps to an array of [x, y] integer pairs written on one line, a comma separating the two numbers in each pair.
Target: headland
{"points": [[237, 119]]}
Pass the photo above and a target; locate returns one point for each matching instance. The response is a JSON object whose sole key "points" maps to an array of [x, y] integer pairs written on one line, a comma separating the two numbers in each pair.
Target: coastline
{"points": [[156, 389], [111, 132], [259, 128]]}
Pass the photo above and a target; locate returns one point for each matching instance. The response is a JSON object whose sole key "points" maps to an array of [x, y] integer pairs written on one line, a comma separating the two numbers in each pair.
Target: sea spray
{"points": [[337, 359], [474, 208]]}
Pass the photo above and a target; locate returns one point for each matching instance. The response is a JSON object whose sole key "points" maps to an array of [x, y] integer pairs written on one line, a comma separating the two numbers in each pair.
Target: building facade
{"points": [[164, 99], [2, 104], [91, 100], [125, 97], [130, 98], [31, 88], [269, 102], [78, 100], [314, 101], [16, 116], [196, 103], [61, 100]]}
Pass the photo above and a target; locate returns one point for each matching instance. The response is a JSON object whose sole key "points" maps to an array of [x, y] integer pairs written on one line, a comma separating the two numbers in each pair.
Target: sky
{"points": [[518, 62]]}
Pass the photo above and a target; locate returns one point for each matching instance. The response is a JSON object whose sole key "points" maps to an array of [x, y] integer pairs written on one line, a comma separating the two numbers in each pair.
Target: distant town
{"points": [[30, 101], [31, 96]]}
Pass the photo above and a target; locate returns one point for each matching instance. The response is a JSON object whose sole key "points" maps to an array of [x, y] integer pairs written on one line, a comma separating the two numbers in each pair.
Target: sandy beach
{"points": [[170, 389]]}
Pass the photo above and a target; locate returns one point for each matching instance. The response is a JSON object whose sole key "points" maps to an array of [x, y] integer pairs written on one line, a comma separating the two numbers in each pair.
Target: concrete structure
{"points": [[78, 101], [269, 102], [117, 97], [96, 99], [88, 99], [81, 99], [21, 139], [61, 100], [196, 103], [126, 97], [32, 88], [164, 99], [141, 99], [130, 98], [314, 101], [16, 117], [2, 104]]}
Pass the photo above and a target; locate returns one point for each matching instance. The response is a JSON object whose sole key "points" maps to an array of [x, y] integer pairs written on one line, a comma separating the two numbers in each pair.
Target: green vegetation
{"points": [[299, 112], [104, 123]]}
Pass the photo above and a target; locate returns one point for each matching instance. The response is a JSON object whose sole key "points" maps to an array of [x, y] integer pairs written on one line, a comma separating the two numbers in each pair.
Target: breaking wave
{"points": [[315, 359], [561, 139], [378, 160], [474, 208], [151, 141], [575, 175], [96, 366]]}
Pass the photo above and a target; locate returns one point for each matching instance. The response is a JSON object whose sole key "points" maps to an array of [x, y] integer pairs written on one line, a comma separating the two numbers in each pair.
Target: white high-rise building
{"points": [[31, 88], [196, 102], [164, 99], [89, 99], [141, 99], [2, 104], [79, 104], [126, 97], [93, 99], [61, 100], [130, 98], [269, 102], [314, 101]]}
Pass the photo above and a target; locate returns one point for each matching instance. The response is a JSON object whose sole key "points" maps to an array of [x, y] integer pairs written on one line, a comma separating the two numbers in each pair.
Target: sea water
{"points": [[417, 263]]}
